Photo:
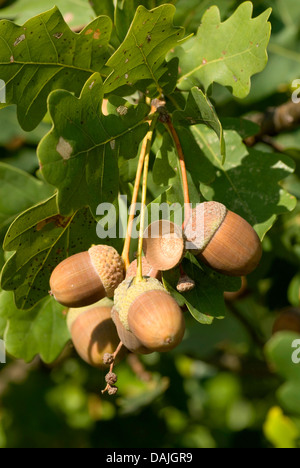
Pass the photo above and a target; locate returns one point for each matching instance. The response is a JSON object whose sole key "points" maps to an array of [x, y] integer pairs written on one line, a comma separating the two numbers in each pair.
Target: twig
{"points": [[274, 121], [112, 357]]}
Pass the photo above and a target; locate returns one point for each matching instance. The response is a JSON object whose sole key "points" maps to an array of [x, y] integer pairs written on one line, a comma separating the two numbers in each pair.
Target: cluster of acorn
{"points": [[144, 315]]}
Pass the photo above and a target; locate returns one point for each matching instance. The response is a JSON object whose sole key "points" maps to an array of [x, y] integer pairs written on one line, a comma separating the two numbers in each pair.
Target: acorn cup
{"points": [[87, 277], [223, 240], [94, 333], [164, 245], [148, 311], [148, 270]]}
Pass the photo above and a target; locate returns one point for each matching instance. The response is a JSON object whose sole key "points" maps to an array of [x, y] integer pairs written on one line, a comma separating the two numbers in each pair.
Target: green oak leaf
{"points": [[75, 13], [125, 11], [24, 191], [199, 110], [248, 182], [41, 239], [6, 304], [39, 331], [166, 174], [245, 128], [121, 13], [285, 237], [229, 331], [190, 12], [206, 301], [228, 53], [11, 131], [103, 7], [284, 57], [44, 55], [145, 393], [166, 169], [79, 155], [142, 54]]}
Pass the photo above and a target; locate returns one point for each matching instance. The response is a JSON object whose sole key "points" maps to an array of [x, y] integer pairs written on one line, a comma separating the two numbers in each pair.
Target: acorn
{"points": [[223, 240], [288, 320], [148, 311], [164, 245], [128, 339], [148, 270], [94, 333], [87, 277]]}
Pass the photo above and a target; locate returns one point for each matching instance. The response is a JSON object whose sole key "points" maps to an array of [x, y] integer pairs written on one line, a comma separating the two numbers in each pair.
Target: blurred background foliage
{"points": [[234, 386]]}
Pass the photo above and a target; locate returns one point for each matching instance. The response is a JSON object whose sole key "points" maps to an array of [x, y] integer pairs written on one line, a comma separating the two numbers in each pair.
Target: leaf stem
{"points": [[139, 276], [185, 185], [126, 249]]}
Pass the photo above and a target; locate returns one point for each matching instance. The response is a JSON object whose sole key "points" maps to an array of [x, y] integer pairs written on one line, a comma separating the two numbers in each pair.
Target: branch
{"points": [[274, 121]]}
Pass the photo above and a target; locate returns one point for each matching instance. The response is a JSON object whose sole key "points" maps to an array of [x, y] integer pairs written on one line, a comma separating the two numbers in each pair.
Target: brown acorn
{"points": [[223, 240], [94, 333], [148, 311], [128, 339], [288, 320], [148, 270], [87, 277], [163, 245]]}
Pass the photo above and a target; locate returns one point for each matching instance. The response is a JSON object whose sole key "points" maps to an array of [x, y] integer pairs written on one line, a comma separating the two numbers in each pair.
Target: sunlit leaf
{"points": [[248, 182], [79, 155], [41, 330], [42, 239], [206, 301], [235, 51], [24, 191], [142, 54], [44, 55], [75, 13], [199, 110]]}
